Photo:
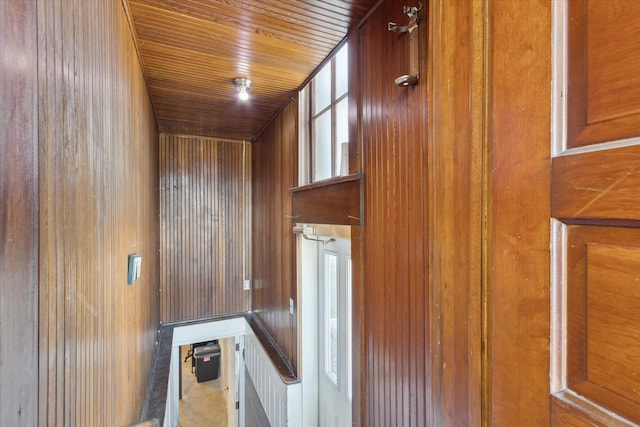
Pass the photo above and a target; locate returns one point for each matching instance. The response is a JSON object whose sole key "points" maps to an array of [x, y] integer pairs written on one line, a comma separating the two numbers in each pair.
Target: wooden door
{"points": [[562, 324], [595, 358]]}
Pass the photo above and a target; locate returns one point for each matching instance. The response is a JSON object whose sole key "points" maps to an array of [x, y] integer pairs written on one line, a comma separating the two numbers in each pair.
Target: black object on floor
{"points": [[207, 361]]}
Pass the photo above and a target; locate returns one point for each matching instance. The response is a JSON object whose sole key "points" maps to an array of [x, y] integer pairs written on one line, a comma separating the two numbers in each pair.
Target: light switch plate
{"points": [[291, 306], [246, 285], [135, 262]]}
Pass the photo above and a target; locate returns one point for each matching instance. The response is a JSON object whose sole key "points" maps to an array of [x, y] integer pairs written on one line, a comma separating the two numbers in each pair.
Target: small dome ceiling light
{"points": [[242, 86]]}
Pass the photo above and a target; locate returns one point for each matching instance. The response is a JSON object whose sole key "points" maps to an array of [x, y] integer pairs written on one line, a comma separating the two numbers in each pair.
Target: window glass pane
{"points": [[322, 147], [331, 316], [326, 133], [322, 89], [342, 71], [342, 132], [304, 137], [349, 332]]}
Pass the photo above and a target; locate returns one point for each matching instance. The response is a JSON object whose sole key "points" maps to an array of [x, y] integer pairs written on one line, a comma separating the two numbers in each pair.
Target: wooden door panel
{"points": [[603, 57], [613, 319], [601, 186], [569, 409], [603, 317], [594, 196]]}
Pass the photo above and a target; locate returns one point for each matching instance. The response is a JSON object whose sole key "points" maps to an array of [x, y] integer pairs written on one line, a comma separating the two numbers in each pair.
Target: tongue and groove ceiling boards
{"points": [[191, 50]]}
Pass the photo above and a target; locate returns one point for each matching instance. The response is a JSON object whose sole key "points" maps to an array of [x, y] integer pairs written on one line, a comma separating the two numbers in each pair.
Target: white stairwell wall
{"points": [[282, 402]]}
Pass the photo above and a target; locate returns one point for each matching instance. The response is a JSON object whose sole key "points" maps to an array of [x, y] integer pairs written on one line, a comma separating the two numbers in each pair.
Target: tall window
{"points": [[324, 105], [331, 316]]}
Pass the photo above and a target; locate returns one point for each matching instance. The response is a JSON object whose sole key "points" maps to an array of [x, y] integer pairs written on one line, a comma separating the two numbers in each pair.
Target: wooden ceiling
{"points": [[191, 50]]}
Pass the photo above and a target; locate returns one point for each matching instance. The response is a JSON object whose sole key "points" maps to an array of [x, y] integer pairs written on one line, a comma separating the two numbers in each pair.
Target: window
{"points": [[324, 106], [331, 316]]}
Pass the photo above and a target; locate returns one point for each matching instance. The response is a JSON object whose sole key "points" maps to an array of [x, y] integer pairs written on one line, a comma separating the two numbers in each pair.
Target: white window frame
{"points": [[328, 342], [307, 118]]}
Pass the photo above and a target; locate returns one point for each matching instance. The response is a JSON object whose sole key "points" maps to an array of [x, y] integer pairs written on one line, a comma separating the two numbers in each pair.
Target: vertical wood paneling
{"points": [[274, 169], [204, 209], [18, 215], [395, 255], [421, 254], [98, 203]]}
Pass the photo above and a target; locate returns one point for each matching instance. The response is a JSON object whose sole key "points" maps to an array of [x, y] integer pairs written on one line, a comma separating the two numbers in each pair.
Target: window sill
{"points": [[327, 182]]}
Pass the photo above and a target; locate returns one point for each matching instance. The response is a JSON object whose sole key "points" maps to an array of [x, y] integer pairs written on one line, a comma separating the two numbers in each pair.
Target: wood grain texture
{"points": [[604, 50], [98, 176], [205, 189], [594, 194], [602, 343], [192, 50], [336, 201], [518, 211], [568, 409], [455, 195], [613, 322], [599, 187], [18, 215], [422, 150], [274, 172], [395, 272]]}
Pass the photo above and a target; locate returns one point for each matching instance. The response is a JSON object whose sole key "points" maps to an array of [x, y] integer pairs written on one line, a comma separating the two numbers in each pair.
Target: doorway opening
{"points": [[325, 301], [230, 334], [207, 383]]}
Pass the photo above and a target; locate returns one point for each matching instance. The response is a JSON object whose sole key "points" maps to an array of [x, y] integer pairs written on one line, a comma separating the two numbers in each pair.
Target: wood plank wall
{"points": [[396, 252], [418, 319], [18, 215], [275, 165], [422, 170], [205, 190], [98, 204]]}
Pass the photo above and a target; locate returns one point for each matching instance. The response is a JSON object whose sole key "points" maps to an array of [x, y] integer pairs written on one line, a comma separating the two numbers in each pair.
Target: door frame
{"points": [[188, 334], [339, 390], [516, 260], [307, 255], [308, 319]]}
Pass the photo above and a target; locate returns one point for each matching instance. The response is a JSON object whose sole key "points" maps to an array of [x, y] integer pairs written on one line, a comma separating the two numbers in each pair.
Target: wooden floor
{"points": [[202, 404]]}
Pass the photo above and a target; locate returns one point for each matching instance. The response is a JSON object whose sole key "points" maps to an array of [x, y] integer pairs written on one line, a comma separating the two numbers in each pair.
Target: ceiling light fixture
{"points": [[242, 85]]}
